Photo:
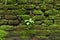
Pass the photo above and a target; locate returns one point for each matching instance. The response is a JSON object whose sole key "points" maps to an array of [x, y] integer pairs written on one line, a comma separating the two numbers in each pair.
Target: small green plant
{"points": [[29, 23]]}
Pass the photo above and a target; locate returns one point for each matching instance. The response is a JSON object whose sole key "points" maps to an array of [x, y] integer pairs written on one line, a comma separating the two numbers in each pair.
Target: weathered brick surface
{"points": [[45, 13]]}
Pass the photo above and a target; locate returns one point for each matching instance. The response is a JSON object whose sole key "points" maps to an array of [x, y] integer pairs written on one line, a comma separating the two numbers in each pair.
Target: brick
{"points": [[22, 1], [57, 6], [39, 27], [39, 17], [11, 1], [24, 17], [54, 27], [57, 21], [21, 11], [38, 12], [48, 22], [10, 17], [13, 22], [10, 7]]}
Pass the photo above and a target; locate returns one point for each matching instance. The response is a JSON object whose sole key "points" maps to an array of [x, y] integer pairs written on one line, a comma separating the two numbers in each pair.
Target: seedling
{"points": [[29, 23]]}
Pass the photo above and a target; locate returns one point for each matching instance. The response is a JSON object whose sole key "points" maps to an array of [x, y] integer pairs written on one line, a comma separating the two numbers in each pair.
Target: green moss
{"points": [[22, 1], [13, 22], [52, 17], [2, 22], [5, 27], [41, 37], [38, 22], [2, 39], [57, 1], [52, 12], [1, 12], [11, 1], [25, 17], [3, 33], [36, 1], [10, 7], [57, 22], [29, 6], [10, 17], [38, 12], [57, 6], [38, 17], [48, 1], [48, 22], [54, 27], [21, 11], [2, 1]]}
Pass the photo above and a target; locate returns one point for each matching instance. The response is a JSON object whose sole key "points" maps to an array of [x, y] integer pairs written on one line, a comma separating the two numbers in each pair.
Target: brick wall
{"points": [[45, 13]]}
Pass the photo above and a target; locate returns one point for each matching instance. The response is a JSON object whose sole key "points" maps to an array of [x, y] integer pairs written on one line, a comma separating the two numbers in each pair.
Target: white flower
{"points": [[27, 23]]}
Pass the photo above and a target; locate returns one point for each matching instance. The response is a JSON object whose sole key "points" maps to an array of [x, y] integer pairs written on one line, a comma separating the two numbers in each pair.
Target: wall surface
{"points": [[45, 13]]}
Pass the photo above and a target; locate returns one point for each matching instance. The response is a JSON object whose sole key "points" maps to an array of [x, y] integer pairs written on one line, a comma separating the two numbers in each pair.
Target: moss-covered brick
{"points": [[57, 22], [22, 1], [3, 22], [57, 6], [43, 32], [57, 1], [42, 37], [1, 7], [51, 17], [24, 17], [21, 27], [10, 7], [11, 1], [49, 6], [10, 12], [54, 27], [38, 12], [45, 7], [2, 1], [35, 1], [39, 22], [13, 22], [55, 33], [48, 22], [1, 12], [54, 17], [39, 17], [30, 6], [6, 27], [48, 1], [10, 17], [21, 11], [57, 16], [22, 6], [51, 12], [39, 27]]}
